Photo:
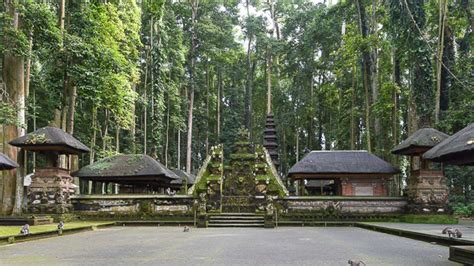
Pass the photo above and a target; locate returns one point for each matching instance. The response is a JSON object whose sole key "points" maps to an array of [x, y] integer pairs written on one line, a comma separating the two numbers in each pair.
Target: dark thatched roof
{"points": [[50, 139], [6, 163], [457, 149], [420, 141], [183, 175], [126, 166], [342, 162]]}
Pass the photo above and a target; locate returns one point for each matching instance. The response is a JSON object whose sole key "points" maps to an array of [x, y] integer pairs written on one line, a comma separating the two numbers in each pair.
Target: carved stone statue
{"points": [[202, 203], [270, 207]]}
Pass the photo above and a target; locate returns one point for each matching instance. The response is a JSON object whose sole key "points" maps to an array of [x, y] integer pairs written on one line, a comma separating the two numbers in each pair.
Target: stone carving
{"points": [[202, 203], [50, 191], [270, 206]]}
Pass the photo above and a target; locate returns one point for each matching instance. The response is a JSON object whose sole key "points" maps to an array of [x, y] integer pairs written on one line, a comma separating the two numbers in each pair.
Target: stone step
{"points": [[236, 214], [236, 217], [38, 220], [235, 225], [235, 221]]}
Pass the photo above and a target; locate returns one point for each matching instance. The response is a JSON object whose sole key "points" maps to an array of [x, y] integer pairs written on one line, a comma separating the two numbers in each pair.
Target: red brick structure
{"points": [[342, 173], [372, 186]]}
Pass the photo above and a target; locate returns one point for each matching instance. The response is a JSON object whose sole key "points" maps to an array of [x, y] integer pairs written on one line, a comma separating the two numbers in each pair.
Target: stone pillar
{"points": [[302, 187]]}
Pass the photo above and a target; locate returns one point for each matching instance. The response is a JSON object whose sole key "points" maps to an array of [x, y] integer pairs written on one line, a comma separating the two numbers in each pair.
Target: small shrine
{"points": [[342, 173], [127, 173], [426, 185], [51, 185]]}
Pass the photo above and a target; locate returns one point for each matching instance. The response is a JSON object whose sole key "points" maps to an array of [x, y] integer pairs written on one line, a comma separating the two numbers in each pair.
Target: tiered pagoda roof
{"points": [[270, 139]]}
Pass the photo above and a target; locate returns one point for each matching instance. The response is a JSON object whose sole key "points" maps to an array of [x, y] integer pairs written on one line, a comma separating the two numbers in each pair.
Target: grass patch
{"points": [[428, 219], [15, 230]]}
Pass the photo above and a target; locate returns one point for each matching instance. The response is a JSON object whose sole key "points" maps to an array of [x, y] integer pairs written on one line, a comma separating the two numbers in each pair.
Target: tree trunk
{"points": [[117, 138], [28, 64], [105, 132], [207, 108], [167, 127], [62, 14], [439, 66], [92, 146], [218, 111], [447, 81], [194, 7], [190, 132], [269, 81], [145, 105], [248, 87], [13, 76], [133, 130], [297, 144], [365, 71], [374, 70], [178, 165], [353, 103]]}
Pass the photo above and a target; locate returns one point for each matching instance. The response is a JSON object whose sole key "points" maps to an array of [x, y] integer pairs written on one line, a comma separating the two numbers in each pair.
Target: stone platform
{"points": [[427, 232]]}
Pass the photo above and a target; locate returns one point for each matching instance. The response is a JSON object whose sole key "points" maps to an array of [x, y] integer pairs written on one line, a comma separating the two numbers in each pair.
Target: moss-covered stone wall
{"points": [[133, 206]]}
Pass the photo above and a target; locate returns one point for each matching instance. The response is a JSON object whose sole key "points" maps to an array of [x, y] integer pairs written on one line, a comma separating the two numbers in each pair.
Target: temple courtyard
{"points": [[225, 246]]}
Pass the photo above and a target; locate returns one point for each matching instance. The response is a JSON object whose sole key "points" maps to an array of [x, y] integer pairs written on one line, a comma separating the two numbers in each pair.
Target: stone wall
{"points": [[344, 205], [133, 206], [180, 207]]}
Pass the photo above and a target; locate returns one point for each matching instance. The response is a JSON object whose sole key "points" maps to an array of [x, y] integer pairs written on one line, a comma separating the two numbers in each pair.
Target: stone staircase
{"points": [[236, 220]]}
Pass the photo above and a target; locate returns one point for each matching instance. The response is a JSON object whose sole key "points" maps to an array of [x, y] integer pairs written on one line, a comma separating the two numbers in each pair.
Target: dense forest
{"points": [[171, 78]]}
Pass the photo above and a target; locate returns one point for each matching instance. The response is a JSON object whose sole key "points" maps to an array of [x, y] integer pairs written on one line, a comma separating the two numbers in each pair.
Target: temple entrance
{"points": [[238, 192], [238, 204], [241, 184]]}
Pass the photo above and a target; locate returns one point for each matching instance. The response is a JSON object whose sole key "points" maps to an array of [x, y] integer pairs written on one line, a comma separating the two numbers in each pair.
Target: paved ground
{"points": [[225, 246], [467, 229]]}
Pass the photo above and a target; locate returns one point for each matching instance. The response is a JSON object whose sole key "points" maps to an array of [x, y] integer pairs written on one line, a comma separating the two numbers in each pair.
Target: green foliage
{"points": [[131, 63], [7, 114], [428, 219], [463, 210]]}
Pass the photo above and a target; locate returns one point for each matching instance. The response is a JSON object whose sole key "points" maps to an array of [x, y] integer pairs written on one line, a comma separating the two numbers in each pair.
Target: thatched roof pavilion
{"points": [[184, 178], [419, 142], [50, 139], [457, 149], [131, 169], [6, 163], [341, 163], [342, 173]]}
